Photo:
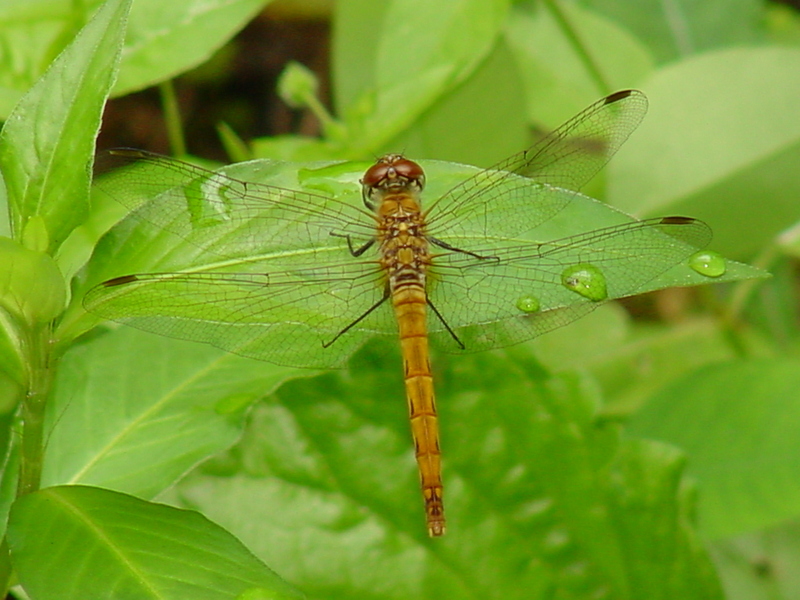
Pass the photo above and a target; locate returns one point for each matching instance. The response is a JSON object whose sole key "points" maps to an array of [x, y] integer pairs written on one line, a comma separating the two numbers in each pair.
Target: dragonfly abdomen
{"points": [[409, 300]]}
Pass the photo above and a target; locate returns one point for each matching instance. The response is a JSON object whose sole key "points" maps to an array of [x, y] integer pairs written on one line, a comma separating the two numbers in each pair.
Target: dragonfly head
{"points": [[393, 173]]}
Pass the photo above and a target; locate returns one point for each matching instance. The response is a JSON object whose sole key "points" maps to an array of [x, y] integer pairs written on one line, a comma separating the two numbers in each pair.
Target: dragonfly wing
{"points": [[565, 158], [287, 318], [224, 216], [481, 299]]}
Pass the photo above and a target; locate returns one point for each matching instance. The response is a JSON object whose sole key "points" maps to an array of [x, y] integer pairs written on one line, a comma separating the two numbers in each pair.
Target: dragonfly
{"points": [[303, 278]]}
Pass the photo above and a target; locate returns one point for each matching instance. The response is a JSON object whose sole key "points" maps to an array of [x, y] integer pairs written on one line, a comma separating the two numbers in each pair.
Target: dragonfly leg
{"points": [[354, 251], [384, 298], [447, 246], [446, 326]]}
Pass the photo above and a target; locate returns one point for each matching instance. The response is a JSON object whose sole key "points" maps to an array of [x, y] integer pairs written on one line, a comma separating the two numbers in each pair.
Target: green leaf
{"points": [[653, 356], [480, 122], [76, 542], [31, 35], [739, 424], [31, 286], [352, 69], [382, 95], [154, 408], [721, 141], [537, 494], [270, 281], [556, 78], [679, 28], [650, 497], [47, 143], [166, 39]]}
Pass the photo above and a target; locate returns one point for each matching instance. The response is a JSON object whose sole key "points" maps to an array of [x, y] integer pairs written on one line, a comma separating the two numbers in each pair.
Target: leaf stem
{"points": [[580, 47], [6, 570], [172, 118], [40, 379]]}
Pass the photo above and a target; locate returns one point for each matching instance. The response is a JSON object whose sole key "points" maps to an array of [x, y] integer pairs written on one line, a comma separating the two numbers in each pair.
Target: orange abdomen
{"points": [[410, 308]]}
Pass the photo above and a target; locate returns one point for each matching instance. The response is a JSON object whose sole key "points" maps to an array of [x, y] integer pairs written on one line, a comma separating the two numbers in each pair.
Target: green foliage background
{"points": [[614, 458]]}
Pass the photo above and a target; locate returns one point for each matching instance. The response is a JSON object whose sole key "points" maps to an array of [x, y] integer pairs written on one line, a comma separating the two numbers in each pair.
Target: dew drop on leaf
{"points": [[586, 280], [528, 304], [708, 263]]}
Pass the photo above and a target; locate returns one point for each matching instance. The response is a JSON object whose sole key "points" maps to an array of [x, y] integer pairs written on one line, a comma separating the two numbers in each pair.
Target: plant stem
{"points": [[6, 570], [172, 118], [580, 48], [40, 379]]}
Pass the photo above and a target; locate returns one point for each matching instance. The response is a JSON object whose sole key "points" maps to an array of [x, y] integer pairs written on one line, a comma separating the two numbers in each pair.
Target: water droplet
{"points": [[586, 280], [528, 304], [708, 263]]}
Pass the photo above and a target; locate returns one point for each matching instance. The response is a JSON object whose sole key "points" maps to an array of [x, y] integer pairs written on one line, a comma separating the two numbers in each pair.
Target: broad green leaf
{"points": [[679, 28], [424, 49], [352, 69], [721, 140], [164, 38], [656, 500], [32, 33], [270, 281], [541, 501], [295, 148], [654, 356], [739, 424], [479, 123], [556, 77], [47, 143], [133, 412], [77, 542]]}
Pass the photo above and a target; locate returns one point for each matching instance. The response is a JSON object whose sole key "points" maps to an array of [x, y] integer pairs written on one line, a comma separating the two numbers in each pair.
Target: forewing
{"points": [[566, 158], [479, 298], [288, 318], [227, 217]]}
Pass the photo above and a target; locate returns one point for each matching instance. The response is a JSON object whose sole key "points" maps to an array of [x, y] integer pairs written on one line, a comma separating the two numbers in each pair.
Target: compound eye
{"points": [[409, 170], [375, 174]]}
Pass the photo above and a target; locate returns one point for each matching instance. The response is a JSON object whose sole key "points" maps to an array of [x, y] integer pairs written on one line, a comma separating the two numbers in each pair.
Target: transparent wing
{"points": [[268, 271], [480, 298], [225, 216], [288, 317], [495, 202]]}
